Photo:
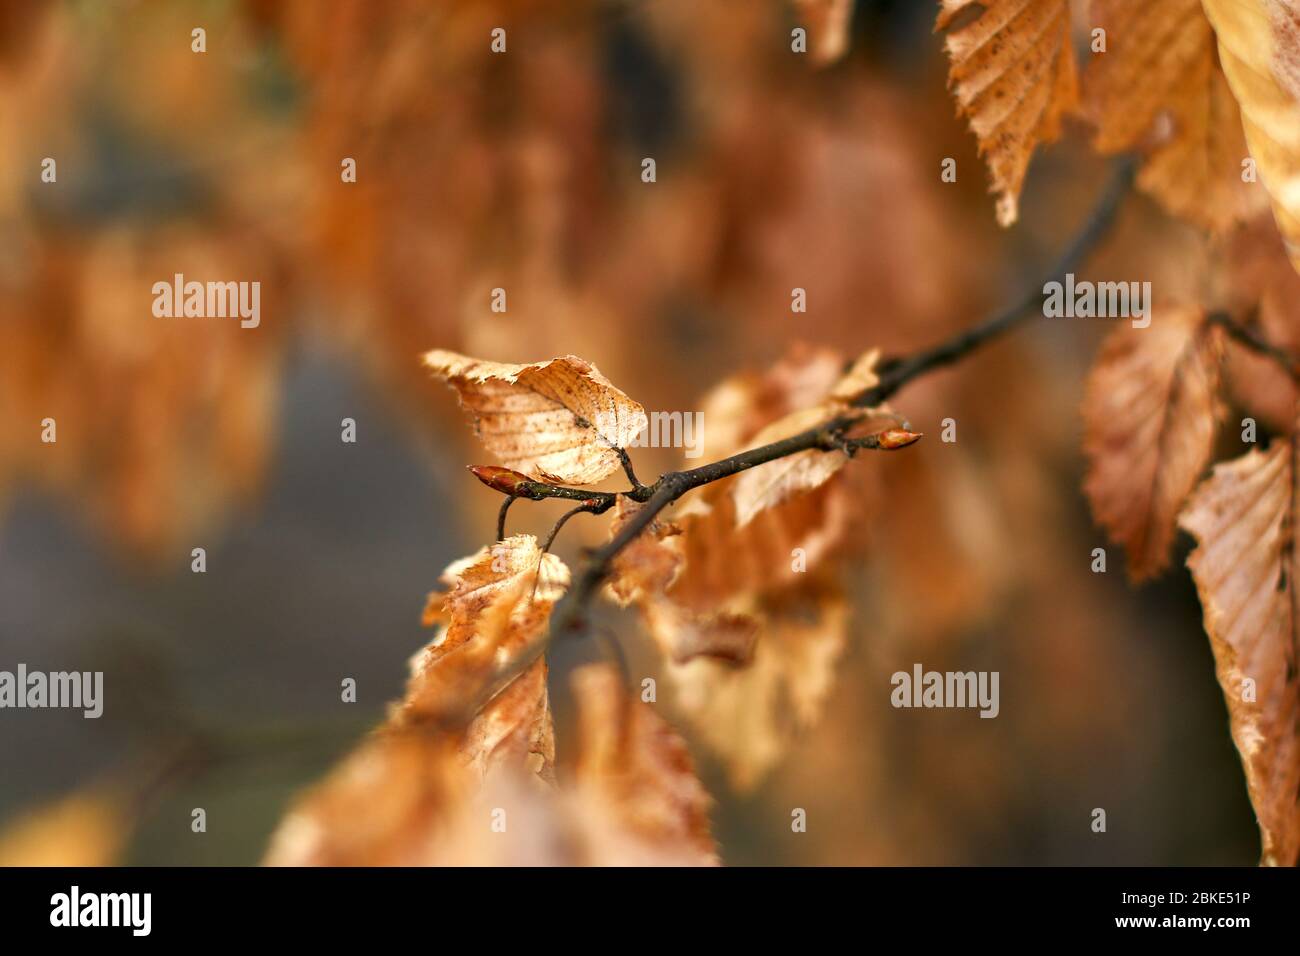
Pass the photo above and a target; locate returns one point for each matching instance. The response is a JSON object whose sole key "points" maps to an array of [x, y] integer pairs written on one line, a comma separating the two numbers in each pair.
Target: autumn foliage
{"points": [[737, 578]]}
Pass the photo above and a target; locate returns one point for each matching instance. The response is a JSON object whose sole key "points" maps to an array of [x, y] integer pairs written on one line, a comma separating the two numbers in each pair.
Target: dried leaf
{"points": [[1244, 518], [1264, 290], [714, 594], [1158, 86], [646, 570], [752, 715], [1259, 47], [770, 484], [407, 798], [389, 803], [1013, 76], [558, 421], [1149, 418], [650, 563], [497, 606], [637, 797]]}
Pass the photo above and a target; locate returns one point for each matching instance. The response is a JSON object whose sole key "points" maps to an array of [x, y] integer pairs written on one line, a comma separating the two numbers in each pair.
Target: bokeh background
{"points": [[522, 171]]}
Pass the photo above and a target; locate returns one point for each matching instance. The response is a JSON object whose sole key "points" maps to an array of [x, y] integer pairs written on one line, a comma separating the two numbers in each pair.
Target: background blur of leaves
{"points": [[522, 171]]}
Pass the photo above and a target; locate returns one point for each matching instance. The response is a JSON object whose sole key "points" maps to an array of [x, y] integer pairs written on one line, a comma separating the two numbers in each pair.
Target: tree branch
{"points": [[571, 613]]}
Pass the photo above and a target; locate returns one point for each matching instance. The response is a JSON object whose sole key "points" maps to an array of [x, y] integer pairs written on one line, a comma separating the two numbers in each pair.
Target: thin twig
{"points": [[501, 517], [587, 506]]}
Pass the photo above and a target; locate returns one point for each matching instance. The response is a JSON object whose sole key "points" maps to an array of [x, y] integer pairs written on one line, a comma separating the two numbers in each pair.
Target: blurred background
{"points": [[522, 171]]}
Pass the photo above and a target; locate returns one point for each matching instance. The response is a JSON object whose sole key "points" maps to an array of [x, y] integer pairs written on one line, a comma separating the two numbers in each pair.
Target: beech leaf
{"points": [[1149, 419], [1259, 47], [1244, 519], [770, 484], [1158, 87], [558, 421], [1013, 75]]}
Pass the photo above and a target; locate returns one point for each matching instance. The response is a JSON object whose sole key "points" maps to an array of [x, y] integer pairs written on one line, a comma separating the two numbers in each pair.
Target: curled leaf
{"points": [[1244, 520], [496, 609], [558, 421], [752, 715]]}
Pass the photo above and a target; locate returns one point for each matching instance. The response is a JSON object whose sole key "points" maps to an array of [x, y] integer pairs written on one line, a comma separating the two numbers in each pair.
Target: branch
{"points": [[571, 613]]}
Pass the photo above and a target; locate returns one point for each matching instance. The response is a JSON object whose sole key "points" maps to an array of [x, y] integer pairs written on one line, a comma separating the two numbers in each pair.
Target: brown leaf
{"points": [[646, 570], [497, 606], [1013, 75], [767, 485], [557, 421], [406, 797], [1264, 290], [1149, 419], [1259, 47], [389, 803], [1158, 87], [637, 797], [752, 715], [1244, 518]]}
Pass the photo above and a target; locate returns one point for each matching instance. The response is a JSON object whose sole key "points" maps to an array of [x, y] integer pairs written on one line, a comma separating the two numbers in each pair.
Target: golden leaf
{"points": [[558, 421], [752, 715], [769, 484], [497, 606], [406, 797], [1244, 518], [1013, 75], [637, 797], [645, 570], [1149, 418], [1158, 86], [389, 803], [714, 595], [1259, 47]]}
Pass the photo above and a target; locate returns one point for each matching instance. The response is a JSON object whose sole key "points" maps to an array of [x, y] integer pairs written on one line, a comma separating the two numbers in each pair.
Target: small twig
{"points": [[501, 518], [626, 460], [591, 507]]}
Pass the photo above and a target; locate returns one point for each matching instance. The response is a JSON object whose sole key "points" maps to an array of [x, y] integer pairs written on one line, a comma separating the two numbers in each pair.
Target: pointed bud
{"points": [[892, 438], [505, 480]]}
